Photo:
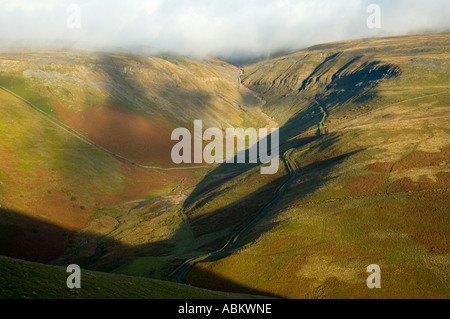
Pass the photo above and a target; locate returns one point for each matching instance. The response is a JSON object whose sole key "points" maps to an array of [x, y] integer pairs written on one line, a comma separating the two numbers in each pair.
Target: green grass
{"points": [[26, 280], [108, 211], [151, 267], [37, 142], [24, 88]]}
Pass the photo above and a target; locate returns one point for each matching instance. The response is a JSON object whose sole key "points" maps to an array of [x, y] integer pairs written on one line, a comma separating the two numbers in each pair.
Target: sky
{"points": [[212, 27]]}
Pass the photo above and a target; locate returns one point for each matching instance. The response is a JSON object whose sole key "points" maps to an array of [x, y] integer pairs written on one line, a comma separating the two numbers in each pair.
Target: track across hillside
{"points": [[236, 239], [92, 143]]}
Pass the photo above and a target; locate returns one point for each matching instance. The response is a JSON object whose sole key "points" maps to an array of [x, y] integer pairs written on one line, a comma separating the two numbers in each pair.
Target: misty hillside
{"points": [[130, 104]]}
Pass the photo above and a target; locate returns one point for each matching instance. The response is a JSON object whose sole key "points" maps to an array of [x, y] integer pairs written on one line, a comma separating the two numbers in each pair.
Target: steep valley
{"points": [[86, 175]]}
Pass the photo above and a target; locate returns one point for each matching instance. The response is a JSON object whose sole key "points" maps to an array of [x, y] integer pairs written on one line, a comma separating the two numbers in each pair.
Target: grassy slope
{"points": [[69, 85], [174, 90], [387, 203], [43, 167], [49, 282], [130, 104], [49, 175]]}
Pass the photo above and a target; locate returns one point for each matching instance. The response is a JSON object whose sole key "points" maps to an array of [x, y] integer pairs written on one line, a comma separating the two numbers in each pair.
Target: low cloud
{"points": [[214, 27]]}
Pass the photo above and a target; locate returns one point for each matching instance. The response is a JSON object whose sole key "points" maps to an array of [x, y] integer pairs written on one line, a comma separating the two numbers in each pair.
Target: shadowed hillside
{"points": [[49, 282], [384, 102]]}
